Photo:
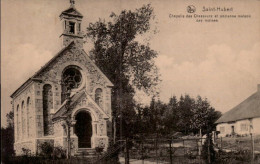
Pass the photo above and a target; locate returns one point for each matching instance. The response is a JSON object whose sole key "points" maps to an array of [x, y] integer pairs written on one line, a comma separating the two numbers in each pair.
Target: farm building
{"points": [[242, 119]]}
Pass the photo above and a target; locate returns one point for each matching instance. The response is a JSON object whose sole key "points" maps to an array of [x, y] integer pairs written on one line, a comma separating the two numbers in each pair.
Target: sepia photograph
{"points": [[130, 82]]}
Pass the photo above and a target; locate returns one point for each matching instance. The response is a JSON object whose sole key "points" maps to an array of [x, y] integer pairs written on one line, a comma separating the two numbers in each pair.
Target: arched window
{"points": [[98, 96], [23, 120], [27, 116], [17, 123], [71, 79], [47, 106]]}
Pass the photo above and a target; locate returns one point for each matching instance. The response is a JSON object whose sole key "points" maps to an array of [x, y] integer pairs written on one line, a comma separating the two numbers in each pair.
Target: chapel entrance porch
{"points": [[83, 129]]}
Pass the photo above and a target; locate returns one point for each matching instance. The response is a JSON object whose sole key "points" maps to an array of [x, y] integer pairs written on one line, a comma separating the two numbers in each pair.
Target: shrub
{"points": [[224, 157], [113, 153], [190, 155], [243, 155], [46, 150], [99, 150], [59, 153], [26, 152]]}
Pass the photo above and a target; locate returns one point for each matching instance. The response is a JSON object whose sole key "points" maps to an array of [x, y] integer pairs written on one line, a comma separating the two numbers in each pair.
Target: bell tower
{"points": [[71, 21]]}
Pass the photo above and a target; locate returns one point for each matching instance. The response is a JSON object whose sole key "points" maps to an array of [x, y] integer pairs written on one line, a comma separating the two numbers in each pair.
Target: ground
{"points": [[239, 143]]}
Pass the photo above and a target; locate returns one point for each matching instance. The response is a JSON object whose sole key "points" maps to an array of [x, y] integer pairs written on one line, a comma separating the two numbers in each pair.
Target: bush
{"points": [[7, 141], [59, 153], [113, 155], [99, 150], [241, 156], [26, 152], [46, 150], [223, 157]]}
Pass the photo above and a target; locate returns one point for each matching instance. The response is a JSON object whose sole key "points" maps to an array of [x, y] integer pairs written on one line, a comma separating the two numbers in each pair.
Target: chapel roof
{"points": [[249, 108], [72, 11], [34, 77]]}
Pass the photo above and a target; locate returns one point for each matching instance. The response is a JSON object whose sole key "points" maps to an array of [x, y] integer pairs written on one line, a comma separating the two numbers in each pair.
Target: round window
{"points": [[72, 78]]}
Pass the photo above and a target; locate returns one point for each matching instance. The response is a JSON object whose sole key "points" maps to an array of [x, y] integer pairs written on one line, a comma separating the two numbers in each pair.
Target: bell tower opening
{"points": [[72, 27]]}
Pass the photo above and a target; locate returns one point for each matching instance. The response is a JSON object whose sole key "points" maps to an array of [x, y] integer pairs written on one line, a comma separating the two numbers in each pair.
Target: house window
{"points": [[222, 129], [72, 27], [243, 127]]}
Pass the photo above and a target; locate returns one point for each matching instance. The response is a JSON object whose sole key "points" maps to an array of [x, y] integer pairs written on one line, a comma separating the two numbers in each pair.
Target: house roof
{"points": [[249, 108]]}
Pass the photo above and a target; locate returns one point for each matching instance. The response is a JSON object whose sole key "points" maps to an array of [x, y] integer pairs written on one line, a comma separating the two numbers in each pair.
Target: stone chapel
{"points": [[69, 88]]}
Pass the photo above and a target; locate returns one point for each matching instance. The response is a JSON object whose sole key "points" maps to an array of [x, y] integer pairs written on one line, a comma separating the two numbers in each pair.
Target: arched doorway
{"points": [[83, 129]]}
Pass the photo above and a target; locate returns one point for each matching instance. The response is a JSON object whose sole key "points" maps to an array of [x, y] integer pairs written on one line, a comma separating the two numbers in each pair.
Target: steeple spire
{"points": [[72, 3], [71, 20]]}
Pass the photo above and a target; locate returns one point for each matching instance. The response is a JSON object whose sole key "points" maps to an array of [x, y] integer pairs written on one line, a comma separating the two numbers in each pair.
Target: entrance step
{"points": [[86, 152], [88, 155]]}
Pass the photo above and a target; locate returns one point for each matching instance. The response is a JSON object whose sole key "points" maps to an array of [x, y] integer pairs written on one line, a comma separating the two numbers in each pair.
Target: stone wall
{"points": [[74, 144], [100, 141], [38, 109], [92, 77], [24, 119], [39, 142], [27, 145]]}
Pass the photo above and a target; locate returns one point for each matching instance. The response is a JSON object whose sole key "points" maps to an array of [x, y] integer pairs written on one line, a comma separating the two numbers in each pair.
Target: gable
{"points": [[70, 54], [77, 57], [72, 12], [80, 100]]}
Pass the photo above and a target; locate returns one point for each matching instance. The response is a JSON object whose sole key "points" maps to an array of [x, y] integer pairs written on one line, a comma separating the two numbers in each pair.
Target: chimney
{"points": [[258, 88]]}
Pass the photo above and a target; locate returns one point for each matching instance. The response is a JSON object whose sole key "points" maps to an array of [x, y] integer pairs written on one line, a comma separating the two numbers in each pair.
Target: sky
{"points": [[219, 61]]}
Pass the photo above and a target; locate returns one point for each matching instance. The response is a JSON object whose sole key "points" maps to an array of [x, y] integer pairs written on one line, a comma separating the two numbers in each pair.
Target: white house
{"points": [[242, 119]]}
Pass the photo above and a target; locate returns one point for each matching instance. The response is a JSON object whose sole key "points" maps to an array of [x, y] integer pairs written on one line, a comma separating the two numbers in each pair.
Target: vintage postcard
{"points": [[141, 81]]}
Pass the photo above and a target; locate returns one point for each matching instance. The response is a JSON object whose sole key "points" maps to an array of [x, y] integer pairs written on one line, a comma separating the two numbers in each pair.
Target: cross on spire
{"points": [[72, 2]]}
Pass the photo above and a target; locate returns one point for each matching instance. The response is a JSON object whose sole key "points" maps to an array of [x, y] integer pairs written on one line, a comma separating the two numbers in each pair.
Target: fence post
{"points": [[142, 152], [221, 143], [170, 151], [183, 147], [127, 152], [209, 145], [199, 146], [156, 150], [252, 145]]}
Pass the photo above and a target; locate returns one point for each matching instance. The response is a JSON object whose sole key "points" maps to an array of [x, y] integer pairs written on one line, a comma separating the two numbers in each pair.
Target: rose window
{"points": [[72, 78]]}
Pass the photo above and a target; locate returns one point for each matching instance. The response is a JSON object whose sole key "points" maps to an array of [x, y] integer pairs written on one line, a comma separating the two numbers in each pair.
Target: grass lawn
{"points": [[239, 143]]}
